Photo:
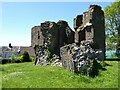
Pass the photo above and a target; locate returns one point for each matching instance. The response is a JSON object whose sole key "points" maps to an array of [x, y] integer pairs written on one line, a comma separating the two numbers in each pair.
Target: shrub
{"points": [[4, 61], [26, 57], [19, 59], [16, 59], [12, 58]]}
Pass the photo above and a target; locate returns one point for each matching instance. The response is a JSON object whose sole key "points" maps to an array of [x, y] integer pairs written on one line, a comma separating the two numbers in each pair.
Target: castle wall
{"points": [[52, 35], [78, 21], [93, 25], [36, 36]]}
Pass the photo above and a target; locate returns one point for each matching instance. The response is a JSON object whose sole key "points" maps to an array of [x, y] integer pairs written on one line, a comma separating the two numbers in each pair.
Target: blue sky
{"points": [[19, 17]]}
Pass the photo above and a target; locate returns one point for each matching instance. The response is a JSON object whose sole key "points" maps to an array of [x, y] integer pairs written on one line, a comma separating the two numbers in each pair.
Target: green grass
{"points": [[27, 75], [0, 76]]}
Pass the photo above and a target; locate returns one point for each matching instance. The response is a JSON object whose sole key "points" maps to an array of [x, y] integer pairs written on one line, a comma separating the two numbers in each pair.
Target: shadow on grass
{"points": [[97, 67], [100, 67], [107, 64], [104, 64]]}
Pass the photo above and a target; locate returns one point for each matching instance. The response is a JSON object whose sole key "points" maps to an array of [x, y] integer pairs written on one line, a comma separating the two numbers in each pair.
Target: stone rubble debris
{"points": [[80, 58]]}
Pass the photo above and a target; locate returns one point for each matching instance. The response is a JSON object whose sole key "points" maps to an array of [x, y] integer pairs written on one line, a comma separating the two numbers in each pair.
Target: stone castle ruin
{"points": [[90, 27], [52, 35], [58, 45]]}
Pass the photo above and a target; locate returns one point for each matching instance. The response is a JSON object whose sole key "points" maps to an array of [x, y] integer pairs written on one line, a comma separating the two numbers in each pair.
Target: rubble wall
{"points": [[93, 25]]}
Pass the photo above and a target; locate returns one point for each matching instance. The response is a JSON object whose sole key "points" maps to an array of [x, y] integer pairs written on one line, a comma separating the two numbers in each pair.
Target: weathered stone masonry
{"points": [[52, 35], [90, 27], [73, 50], [89, 43]]}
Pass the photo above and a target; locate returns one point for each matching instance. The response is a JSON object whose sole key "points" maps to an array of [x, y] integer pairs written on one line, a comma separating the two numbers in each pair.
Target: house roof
{"points": [[20, 49], [30, 50], [7, 49]]}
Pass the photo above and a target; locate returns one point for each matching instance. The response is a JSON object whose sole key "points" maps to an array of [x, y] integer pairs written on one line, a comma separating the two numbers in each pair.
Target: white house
{"points": [[6, 52]]}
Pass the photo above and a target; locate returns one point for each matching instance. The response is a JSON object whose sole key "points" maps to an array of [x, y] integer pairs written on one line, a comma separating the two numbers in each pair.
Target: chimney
{"points": [[10, 46]]}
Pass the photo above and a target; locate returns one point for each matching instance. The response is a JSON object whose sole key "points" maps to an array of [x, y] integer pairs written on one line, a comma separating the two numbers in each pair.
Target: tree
{"points": [[112, 16], [26, 57]]}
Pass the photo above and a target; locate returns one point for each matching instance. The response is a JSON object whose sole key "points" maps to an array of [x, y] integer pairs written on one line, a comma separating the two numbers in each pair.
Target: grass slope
{"points": [[27, 75]]}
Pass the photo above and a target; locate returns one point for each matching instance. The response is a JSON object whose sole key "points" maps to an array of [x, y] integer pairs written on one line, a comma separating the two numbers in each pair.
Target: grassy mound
{"points": [[27, 75]]}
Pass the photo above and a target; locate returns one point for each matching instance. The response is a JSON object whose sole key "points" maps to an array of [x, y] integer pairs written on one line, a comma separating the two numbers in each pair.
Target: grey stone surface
{"points": [[41, 55], [91, 27], [46, 35], [66, 57], [50, 36], [78, 21], [77, 59], [56, 61], [66, 34]]}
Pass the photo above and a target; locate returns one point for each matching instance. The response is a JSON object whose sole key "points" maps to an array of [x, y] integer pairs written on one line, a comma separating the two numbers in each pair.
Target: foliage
{"points": [[4, 61], [19, 59], [26, 57], [32, 58], [49, 55], [27, 75], [112, 16], [16, 58], [13, 58], [118, 52]]}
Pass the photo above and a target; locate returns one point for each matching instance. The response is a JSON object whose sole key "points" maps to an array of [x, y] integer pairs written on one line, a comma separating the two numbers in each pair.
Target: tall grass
{"points": [[27, 75]]}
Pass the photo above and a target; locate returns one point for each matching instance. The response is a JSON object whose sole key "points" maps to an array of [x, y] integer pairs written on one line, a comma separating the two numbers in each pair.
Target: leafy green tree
{"points": [[112, 16], [26, 57]]}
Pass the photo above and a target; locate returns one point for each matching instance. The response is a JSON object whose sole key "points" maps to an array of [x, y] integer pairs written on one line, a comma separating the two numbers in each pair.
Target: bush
{"points": [[12, 58], [26, 57], [16, 59], [19, 59], [4, 61]]}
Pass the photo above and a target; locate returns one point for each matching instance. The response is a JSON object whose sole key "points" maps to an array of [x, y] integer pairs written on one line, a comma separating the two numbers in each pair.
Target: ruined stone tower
{"points": [[89, 38], [90, 27], [52, 35]]}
